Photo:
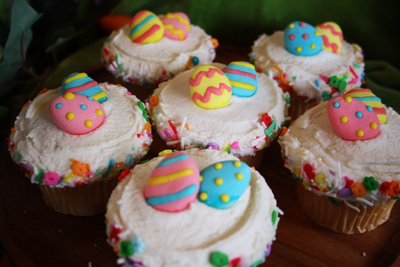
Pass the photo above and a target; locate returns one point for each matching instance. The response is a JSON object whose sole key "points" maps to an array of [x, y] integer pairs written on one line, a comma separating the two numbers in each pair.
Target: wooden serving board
{"points": [[35, 235]]}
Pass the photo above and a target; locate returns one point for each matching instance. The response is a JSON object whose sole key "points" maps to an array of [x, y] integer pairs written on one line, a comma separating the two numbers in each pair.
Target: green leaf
{"points": [[22, 18]]}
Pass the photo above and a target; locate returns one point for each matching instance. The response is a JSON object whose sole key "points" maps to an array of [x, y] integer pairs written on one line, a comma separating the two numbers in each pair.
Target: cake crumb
{"points": [[364, 254]]}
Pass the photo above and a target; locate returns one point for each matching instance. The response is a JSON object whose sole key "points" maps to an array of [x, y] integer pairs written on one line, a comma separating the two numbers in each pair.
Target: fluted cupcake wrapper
{"points": [[342, 219], [80, 200]]}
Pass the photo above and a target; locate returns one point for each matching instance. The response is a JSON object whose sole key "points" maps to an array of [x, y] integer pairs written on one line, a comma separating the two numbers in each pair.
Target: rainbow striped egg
{"points": [[146, 28], [243, 78], [368, 98], [209, 87], [176, 26], [332, 36], [173, 184], [81, 84]]}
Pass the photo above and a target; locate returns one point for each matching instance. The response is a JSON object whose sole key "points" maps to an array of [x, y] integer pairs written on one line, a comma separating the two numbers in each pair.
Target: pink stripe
{"points": [[82, 87], [209, 74], [178, 205], [149, 33], [379, 111], [330, 27], [170, 187], [327, 44], [240, 73], [138, 15], [211, 90]]}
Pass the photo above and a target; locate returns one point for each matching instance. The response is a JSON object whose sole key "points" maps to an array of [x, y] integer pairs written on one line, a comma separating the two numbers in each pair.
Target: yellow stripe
{"points": [[99, 95], [68, 177], [243, 64], [174, 31], [169, 178], [359, 94], [180, 19], [373, 104], [245, 86], [382, 118], [75, 77]]}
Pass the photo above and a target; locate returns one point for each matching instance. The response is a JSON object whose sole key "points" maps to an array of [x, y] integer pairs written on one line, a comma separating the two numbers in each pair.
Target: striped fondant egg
{"points": [[209, 87], [81, 84], [243, 78], [223, 183], [146, 28], [173, 184], [176, 26], [332, 36], [76, 114], [367, 97], [302, 39]]}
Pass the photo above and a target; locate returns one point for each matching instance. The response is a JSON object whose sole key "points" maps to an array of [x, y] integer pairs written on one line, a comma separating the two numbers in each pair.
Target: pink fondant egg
{"points": [[146, 28], [76, 114], [332, 36], [173, 184], [176, 26], [352, 119]]}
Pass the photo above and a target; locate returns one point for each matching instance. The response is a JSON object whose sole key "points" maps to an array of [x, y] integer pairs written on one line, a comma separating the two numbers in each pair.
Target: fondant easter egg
{"points": [[209, 87], [223, 183], [352, 119], [76, 114], [302, 39], [368, 98], [173, 184], [176, 26], [146, 28], [243, 78], [332, 36], [81, 84]]}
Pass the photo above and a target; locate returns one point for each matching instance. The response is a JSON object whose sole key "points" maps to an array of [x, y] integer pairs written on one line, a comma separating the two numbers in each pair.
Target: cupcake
{"points": [[74, 141], [229, 108], [313, 64], [344, 155], [152, 49], [199, 207]]}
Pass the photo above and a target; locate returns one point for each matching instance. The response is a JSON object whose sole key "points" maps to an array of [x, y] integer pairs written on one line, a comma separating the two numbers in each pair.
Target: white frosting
{"points": [[313, 140], [41, 144], [238, 122], [303, 71], [187, 238], [148, 64]]}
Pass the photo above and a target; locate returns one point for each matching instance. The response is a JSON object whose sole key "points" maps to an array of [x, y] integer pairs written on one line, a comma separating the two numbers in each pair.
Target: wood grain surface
{"points": [[35, 235]]}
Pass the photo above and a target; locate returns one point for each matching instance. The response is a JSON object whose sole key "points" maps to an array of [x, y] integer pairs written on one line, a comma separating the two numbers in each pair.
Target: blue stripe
{"points": [[172, 160], [190, 190], [137, 27], [241, 68], [240, 78], [90, 91], [77, 82], [367, 98]]}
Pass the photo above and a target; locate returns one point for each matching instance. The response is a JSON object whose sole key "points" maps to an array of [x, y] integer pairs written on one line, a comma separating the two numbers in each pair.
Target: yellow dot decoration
{"points": [[88, 123], [69, 96], [99, 112], [373, 125], [165, 152], [239, 176], [203, 196], [344, 119], [313, 46], [316, 34], [70, 116], [299, 49], [218, 166], [291, 26], [218, 181], [360, 133], [224, 198], [237, 164], [347, 99], [201, 178]]}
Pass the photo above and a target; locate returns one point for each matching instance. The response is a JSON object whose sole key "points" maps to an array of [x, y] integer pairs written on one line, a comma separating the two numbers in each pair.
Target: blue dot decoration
{"points": [[195, 60], [359, 114], [59, 105], [369, 108], [83, 107], [302, 39], [90, 98], [336, 104]]}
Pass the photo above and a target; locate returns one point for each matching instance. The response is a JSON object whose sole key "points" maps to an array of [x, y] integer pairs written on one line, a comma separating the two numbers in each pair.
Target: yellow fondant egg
{"points": [[209, 87], [332, 36], [146, 28]]}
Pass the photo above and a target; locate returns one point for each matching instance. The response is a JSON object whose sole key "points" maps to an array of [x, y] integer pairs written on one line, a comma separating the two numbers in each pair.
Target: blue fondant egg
{"points": [[81, 84], [243, 78], [302, 39], [223, 183]]}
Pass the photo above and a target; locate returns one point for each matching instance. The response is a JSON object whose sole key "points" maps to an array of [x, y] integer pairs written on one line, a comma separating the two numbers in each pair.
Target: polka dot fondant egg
{"points": [[80, 83], [209, 87], [243, 78], [332, 36], [146, 28], [76, 114], [223, 183], [302, 39], [352, 119], [176, 26], [173, 184]]}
